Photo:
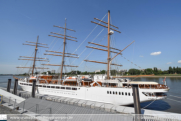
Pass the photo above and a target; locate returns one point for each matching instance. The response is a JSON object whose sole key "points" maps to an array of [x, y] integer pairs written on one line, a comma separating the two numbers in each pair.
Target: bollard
{"points": [[50, 110], [37, 108], [33, 89], [15, 86], [136, 99], [9, 101], [23, 106], [15, 104], [9, 85]]}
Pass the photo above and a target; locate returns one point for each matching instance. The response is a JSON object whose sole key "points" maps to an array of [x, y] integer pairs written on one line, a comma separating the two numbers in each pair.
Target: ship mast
{"points": [[108, 46], [63, 54], [109, 59], [36, 48], [34, 59], [64, 43]]}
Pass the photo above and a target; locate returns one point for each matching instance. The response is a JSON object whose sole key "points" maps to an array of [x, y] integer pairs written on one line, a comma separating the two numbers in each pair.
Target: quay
{"points": [[48, 104]]}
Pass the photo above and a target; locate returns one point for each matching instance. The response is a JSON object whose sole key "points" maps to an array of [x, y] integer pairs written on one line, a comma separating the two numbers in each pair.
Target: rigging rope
{"points": [[93, 49], [89, 34], [132, 55], [26, 64], [95, 46], [86, 48]]}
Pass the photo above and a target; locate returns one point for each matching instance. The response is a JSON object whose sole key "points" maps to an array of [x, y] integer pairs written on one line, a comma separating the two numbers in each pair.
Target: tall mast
{"points": [[108, 46], [109, 27], [36, 48], [64, 43], [63, 54], [109, 59], [34, 59]]}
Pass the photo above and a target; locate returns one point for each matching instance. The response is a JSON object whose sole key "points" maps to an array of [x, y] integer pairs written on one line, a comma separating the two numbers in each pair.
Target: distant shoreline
{"points": [[151, 76]]}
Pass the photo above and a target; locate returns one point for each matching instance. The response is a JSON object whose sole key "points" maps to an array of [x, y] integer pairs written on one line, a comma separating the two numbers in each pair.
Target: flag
{"points": [[164, 82], [164, 79]]}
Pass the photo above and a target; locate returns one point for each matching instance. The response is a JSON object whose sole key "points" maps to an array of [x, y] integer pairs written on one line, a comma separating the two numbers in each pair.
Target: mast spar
{"points": [[34, 59], [65, 37], [108, 45]]}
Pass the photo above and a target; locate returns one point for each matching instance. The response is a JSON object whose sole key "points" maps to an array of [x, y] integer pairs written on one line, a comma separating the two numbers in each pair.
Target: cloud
{"points": [[179, 61], [156, 53], [169, 63], [141, 56]]}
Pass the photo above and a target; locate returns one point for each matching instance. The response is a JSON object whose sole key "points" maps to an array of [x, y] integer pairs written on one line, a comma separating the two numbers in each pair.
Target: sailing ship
{"points": [[100, 88]]}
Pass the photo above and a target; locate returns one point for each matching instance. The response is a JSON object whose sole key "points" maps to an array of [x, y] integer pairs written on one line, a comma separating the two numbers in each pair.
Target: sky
{"points": [[154, 25]]}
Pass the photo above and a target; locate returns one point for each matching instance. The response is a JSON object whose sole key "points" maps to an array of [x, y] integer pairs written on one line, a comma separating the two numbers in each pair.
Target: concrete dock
{"points": [[48, 104]]}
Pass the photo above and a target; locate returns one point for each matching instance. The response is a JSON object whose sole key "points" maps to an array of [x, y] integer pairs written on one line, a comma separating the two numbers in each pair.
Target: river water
{"points": [[171, 104]]}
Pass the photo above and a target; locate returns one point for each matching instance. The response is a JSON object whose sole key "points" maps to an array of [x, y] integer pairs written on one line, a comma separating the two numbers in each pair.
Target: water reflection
{"points": [[158, 105]]}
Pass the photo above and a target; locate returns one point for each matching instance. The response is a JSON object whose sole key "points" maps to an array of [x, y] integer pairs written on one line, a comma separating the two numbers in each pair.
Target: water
{"points": [[171, 104], [173, 101], [4, 81]]}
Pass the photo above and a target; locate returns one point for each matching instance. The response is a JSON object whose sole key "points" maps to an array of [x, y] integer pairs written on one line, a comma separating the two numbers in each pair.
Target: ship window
{"points": [[57, 87], [107, 92], [128, 94], [44, 86], [40, 85], [110, 92], [125, 93], [48, 86], [52, 86], [116, 93], [122, 93], [30, 84], [68, 88], [119, 93], [74, 88], [62, 87], [113, 92]]}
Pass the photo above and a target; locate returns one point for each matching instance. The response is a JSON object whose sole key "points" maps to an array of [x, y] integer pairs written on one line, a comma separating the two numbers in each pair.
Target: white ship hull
{"points": [[121, 96]]}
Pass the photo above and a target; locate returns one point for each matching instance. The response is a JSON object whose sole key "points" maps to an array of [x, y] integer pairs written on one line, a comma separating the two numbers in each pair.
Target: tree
{"points": [[113, 72], [174, 70], [155, 70], [103, 72], [43, 73], [170, 70], [134, 71], [49, 72], [84, 73], [149, 71]]}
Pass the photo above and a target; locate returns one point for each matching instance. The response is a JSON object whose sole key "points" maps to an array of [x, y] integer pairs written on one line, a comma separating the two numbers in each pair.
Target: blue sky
{"points": [[154, 25]]}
